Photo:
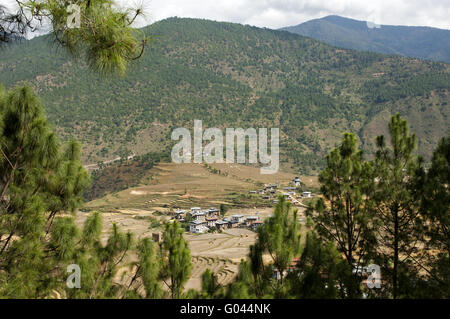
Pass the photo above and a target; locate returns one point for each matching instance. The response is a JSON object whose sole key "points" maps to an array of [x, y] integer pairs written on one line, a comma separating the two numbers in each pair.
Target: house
{"points": [[198, 227], [233, 223], [194, 210], [157, 237], [306, 194], [199, 215], [251, 219], [211, 221], [261, 191], [180, 213], [253, 192], [296, 182], [256, 224], [220, 224], [290, 189], [292, 266], [237, 218], [212, 212], [271, 187]]}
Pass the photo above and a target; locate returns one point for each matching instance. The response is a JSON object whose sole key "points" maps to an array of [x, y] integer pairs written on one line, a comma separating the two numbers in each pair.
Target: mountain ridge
{"points": [[412, 41], [230, 75]]}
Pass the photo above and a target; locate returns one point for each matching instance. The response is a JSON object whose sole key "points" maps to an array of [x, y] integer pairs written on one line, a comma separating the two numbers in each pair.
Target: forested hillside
{"points": [[230, 75], [418, 42]]}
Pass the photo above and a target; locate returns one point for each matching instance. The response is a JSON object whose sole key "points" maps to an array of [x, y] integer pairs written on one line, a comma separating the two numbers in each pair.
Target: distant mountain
{"points": [[418, 42], [230, 75]]}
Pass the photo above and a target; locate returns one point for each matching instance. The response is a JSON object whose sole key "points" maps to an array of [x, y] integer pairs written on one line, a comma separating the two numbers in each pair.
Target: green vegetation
{"points": [[96, 30], [388, 211], [231, 75], [119, 176]]}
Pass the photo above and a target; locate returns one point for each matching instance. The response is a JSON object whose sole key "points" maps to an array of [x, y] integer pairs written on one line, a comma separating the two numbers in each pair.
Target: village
{"points": [[201, 221]]}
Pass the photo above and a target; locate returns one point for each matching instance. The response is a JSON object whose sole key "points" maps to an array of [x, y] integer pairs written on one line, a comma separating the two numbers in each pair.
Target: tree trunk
{"points": [[395, 270]]}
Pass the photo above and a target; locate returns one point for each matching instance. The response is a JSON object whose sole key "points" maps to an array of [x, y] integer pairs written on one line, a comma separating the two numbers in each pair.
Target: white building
{"points": [[238, 218], [198, 227], [307, 194]]}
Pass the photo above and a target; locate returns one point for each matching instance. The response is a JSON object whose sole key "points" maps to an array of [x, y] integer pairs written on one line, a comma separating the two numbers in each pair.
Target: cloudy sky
{"points": [[280, 13]]}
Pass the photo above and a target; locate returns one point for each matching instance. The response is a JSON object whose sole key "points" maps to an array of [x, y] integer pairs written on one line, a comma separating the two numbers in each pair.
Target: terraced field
{"points": [[221, 253], [170, 185], [224, 269]]}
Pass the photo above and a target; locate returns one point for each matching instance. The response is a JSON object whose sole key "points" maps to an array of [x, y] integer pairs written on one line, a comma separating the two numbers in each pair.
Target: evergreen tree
{"points": [[279, 237], [177, 259], [39, 178], [210, 285], [101, 32], [320, 272], [434, 193], [343, 216], [146, 272], [396, 207]]}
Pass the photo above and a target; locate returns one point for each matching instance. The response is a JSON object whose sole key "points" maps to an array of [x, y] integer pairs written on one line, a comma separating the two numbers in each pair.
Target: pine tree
{"points": [[39, 178], [279, 237], [102, 33], [321, 270], [177, 259], [432, 188], [210, 285], [146, 272], [395, 205], [342, 216]]}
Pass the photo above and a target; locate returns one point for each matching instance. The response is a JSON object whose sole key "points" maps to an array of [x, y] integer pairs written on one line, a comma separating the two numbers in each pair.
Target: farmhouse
{"points": [[220, 224], [306, 194], [180, 213], [204, 220], [296, 182], [198, 227], [211, 221], [212, 212], [199, 215], [292, 266], [250, 220], [233, 223], [237, 218], [256, 224]]}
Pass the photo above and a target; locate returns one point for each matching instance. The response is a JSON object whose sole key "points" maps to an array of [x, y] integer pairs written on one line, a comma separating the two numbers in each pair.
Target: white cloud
{"points": [[280, 13]]}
